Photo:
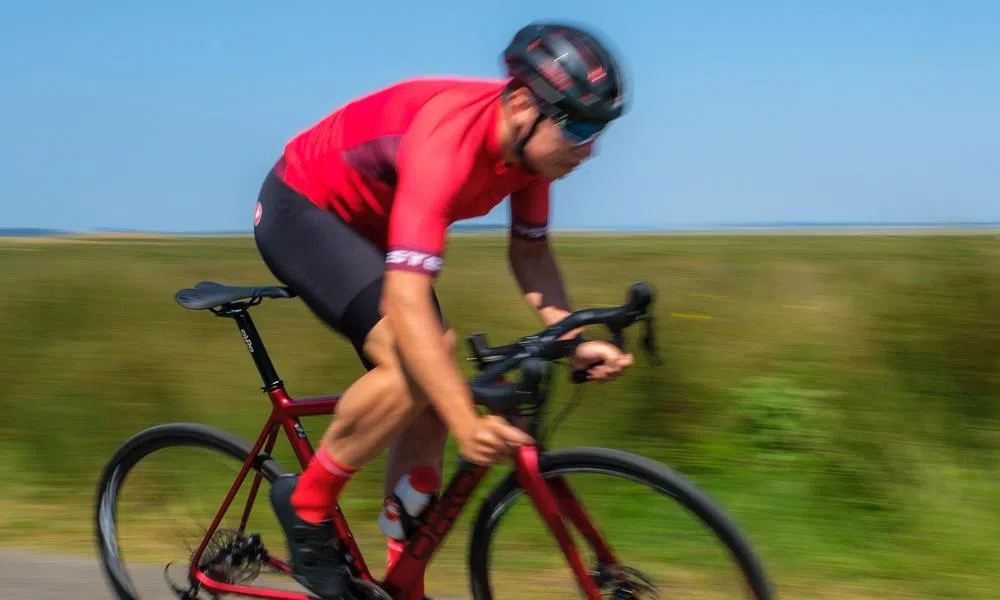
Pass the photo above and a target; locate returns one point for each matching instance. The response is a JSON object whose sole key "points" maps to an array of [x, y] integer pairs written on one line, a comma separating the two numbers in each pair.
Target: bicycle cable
{"points": [[573, 402]]}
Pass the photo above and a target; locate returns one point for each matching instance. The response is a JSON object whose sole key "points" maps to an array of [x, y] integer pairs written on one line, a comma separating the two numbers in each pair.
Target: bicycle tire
{"points": [[623, 464], [128, 455]]}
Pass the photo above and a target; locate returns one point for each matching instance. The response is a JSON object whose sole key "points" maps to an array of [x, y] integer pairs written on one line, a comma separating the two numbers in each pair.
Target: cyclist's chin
{"points": [[558, 170]]}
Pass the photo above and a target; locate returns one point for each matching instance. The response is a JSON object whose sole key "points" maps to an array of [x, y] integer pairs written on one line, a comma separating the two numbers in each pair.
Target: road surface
{"points": [[37, 576]]}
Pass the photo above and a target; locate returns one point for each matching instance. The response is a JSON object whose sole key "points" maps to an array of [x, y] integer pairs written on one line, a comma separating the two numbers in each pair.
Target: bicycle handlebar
{"points": [[529, 352]]}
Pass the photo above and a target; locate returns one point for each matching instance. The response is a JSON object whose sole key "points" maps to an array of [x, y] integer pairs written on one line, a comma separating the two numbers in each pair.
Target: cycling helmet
{"points": [[568, 70]]}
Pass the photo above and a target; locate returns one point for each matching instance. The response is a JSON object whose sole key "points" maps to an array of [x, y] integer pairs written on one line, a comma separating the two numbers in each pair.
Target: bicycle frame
{"points": [[552, 499]]}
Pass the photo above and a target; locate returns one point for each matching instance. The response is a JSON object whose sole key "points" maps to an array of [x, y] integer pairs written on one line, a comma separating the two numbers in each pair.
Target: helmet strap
{"points": [[520, 142]]}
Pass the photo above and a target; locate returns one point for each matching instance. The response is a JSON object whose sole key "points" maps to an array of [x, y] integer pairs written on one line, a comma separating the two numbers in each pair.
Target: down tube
{"points": [[420, 547]]}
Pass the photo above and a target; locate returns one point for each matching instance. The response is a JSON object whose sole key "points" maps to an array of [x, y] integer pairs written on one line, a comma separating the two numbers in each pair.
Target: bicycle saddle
{"points": [[209, 294]]}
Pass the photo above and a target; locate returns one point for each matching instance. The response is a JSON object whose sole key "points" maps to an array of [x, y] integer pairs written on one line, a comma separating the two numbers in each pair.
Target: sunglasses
{"points": [[580, 132], [577, 132]]}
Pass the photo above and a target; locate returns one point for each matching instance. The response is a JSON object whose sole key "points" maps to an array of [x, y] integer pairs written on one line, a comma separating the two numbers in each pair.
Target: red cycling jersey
{"points": [[403, 163]]}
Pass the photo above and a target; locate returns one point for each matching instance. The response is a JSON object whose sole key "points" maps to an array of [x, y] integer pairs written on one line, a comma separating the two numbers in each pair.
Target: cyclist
{"points": [[353, 216]]}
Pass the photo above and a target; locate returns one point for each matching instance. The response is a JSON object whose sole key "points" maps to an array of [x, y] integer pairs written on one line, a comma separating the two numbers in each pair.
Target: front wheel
{"points": [[635, 532]]}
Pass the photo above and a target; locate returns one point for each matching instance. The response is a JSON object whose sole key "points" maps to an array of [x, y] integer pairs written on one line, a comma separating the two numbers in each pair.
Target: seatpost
{"points": [[255, 346]]}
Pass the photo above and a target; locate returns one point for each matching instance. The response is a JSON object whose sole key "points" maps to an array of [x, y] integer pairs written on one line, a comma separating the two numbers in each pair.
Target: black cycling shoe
{"points": [[314, 557]]}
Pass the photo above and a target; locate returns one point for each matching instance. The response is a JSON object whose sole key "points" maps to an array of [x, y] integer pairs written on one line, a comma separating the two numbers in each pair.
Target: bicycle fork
{"points": [[554, 499]]}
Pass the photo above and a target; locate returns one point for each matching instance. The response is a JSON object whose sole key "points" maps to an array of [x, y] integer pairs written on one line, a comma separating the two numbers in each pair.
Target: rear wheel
{"points": [[180, 475], [643, 523]]}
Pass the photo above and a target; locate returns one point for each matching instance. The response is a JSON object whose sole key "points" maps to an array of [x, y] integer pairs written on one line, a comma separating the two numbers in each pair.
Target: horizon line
{"points": [[497, 228], [644, 227]]}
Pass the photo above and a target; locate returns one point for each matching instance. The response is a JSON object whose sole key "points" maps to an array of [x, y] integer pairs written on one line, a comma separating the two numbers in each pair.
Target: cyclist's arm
{"points": [[430, 174], [411, 314], [413, 319], [530, 256]]}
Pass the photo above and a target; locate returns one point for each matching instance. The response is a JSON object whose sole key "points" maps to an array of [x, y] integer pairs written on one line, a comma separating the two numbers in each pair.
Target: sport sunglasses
{"points": [[577, 132]]}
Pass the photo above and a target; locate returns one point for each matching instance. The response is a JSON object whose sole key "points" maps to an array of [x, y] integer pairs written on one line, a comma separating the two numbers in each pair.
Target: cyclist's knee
{"points": [[380, 349], [380, 344]]}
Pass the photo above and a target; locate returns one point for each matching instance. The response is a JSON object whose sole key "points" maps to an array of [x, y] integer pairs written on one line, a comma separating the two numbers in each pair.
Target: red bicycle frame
{"points": [[553, 499]]}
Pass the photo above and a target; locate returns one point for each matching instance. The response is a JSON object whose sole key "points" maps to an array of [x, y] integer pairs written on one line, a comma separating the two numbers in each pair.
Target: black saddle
{"points": [[209, 294]]}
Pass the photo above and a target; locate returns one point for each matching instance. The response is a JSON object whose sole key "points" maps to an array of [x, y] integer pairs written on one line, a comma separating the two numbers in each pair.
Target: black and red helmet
{"points": [[569, 69]]}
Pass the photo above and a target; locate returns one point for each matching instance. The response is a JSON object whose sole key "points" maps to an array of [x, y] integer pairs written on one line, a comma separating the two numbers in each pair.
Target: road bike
{"points": [[227, 561]]}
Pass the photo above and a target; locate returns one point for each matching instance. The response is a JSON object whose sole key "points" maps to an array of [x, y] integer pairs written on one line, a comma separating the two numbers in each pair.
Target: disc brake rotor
{"points": [[620, 582]]}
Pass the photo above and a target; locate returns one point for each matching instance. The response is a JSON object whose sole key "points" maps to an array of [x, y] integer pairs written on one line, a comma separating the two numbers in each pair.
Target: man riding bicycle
{"points": [[354, 216]]}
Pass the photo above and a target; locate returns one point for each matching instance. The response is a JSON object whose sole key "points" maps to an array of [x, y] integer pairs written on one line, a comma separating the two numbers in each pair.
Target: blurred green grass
{"points": [[838, 395]]}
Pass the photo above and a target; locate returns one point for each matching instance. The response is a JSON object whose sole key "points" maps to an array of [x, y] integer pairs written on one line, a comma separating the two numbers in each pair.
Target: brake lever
{"points": [[649, 341]]}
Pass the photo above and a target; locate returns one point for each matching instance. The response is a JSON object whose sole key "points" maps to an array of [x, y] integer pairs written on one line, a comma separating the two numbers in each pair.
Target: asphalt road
{"points": [[46, 577], [36, 576]]}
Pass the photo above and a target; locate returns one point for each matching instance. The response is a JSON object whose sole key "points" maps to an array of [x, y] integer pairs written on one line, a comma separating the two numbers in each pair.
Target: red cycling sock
{"points": [[319, 486]]}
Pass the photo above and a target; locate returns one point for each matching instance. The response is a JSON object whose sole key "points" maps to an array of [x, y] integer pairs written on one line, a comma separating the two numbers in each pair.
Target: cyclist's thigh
{"points": [[334, 269], [370, 333]]}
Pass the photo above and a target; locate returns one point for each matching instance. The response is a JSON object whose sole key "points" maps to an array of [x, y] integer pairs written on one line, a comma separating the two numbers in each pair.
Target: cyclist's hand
{"points": [[603, 361], [490, 440]]}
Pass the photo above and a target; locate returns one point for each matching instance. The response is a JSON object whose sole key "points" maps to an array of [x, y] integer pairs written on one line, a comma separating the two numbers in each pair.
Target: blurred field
{"points": [[838, 395]]}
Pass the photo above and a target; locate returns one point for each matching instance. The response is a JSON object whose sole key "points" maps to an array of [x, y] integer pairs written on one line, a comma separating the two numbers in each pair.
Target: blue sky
{"points": [[165, 116]]}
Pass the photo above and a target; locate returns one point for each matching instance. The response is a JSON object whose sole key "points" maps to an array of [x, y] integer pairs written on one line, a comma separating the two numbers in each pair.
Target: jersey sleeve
{"points": [[431, 166], [529, 211]]}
